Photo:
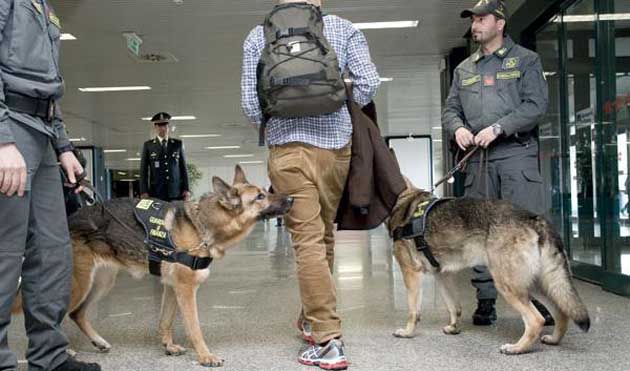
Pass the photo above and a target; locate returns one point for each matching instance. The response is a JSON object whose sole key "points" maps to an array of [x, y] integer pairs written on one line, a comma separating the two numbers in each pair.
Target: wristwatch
{"points": [[497, 130]]}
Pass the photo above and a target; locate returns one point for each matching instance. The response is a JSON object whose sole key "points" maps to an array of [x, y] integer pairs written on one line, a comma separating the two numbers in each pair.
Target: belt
{"points": [[44, 108]]}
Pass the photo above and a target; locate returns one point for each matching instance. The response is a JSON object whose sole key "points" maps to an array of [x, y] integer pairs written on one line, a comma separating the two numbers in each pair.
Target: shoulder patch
{"points": [[510, 63]]}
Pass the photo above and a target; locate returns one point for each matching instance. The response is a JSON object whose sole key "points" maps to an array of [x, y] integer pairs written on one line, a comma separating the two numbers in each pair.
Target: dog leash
{"points": [[460, 165]]}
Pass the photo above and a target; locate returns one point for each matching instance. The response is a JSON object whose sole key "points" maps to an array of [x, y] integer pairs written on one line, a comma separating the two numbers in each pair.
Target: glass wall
{"points": [[616, 111], [550, 128], [585, 49]]}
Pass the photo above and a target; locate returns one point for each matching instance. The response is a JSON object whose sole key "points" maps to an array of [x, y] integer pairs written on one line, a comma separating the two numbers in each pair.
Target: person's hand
{"points": [[12, 171], [464, 138], [144, 196], [186, 195], [485, 137], [72, 168]]}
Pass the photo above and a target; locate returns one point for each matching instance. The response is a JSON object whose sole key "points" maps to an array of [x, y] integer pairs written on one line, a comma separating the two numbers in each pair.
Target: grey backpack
{"points": [[298, 72]]}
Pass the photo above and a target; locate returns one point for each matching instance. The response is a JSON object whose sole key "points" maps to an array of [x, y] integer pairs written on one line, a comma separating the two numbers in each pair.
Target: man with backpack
{"points": [[292, 87]]}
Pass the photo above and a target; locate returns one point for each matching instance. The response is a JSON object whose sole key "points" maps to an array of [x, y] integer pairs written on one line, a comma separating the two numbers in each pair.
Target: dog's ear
{"points": [[239, 176], [220, 187], [228, 196]]}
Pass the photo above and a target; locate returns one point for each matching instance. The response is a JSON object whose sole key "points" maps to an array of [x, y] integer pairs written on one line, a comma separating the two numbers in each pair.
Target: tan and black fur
{"points": [[523, 252], [102, 247]]}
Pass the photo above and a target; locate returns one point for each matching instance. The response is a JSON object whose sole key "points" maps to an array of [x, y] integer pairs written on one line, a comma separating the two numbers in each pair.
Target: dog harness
{"points": [[150, 213], [414, 230]]}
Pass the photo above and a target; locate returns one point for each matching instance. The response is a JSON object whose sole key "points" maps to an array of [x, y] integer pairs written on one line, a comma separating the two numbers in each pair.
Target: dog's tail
{"points": [[555, 278]]}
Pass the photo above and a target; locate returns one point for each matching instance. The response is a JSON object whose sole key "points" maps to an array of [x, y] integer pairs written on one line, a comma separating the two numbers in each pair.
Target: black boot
{"points": [[545, 313], [73, 365], [485, 314]]}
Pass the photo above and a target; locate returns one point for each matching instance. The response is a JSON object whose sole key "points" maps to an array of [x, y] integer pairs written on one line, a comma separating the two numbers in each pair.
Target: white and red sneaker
{"points": [[328, 357]]}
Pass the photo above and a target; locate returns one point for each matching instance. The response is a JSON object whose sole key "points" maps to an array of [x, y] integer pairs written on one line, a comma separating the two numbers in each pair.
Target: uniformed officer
{"points": [[34, 240], [163, 172], [497, 97]]}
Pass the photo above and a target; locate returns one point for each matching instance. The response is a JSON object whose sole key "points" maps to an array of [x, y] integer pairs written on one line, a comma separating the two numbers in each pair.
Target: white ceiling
{"points": [[206, 39]]}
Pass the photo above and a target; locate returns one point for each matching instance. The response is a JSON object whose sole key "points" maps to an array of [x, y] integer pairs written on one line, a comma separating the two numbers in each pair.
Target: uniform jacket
{"points": [[508, 88], [29, 64], [163, 173]]}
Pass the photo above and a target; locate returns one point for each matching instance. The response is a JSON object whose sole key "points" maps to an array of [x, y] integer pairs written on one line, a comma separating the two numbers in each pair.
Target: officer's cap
{"points": [[161, 118], [483, 7]]}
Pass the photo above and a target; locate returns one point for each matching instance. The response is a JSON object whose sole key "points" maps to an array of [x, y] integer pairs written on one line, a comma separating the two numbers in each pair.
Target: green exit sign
{"points": [[133, 43]]}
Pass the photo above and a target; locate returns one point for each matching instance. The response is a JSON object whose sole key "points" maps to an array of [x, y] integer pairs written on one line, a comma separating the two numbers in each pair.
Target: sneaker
{"points": [[72, 364], [486, 314], [327, 357], [307, 331], [549, 321]]}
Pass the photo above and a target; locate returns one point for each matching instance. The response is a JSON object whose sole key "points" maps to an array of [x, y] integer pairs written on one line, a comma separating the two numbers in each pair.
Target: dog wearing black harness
{"points": [[523, 252], [177, 242]]}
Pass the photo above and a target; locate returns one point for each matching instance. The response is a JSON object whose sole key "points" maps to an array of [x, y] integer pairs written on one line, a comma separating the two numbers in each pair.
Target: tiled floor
{"points": [[249, 305]]}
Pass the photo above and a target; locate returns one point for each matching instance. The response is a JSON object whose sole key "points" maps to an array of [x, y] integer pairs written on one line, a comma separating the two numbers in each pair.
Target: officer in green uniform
{"points": [[34, 238], [497, 97]]}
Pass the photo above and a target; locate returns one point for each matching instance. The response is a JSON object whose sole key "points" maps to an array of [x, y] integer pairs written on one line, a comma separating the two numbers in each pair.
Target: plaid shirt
{"points": [[329, 131]]}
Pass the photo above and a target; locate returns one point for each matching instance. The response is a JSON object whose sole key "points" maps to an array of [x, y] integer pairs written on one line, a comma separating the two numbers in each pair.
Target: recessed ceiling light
{"points": [[593, 17], [67, 37], [200, 135], [385, 25], [77, 139], [383, 79], [238, 156], [121, 173], [251, 162], [128, 180], [175, 118], [224, 147], [134, 159], [114, 88], [114, 150]]}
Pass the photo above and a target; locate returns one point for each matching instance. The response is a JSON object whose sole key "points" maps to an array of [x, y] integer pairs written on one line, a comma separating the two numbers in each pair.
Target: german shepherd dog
{"points": [[102, 247], [522, 251]]}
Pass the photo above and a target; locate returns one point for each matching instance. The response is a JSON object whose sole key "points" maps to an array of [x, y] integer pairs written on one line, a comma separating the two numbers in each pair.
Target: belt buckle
{"points": [[51, 110]]}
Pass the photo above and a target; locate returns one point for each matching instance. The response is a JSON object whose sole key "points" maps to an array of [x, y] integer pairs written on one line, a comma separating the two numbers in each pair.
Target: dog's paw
{"points": [[403, 334], [174, 350], [451, 330], [510, 349], [549, 340], [210, 361], [102, 346]]}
